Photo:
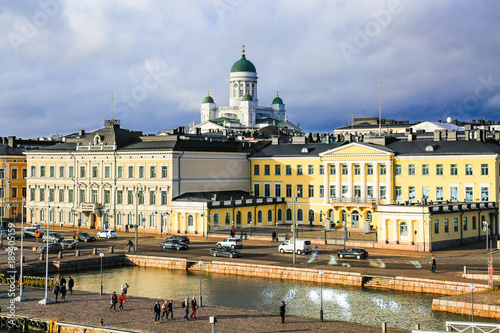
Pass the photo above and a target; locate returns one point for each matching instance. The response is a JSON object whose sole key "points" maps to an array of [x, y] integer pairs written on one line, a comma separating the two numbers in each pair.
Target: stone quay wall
{"points": [[464, 308]]}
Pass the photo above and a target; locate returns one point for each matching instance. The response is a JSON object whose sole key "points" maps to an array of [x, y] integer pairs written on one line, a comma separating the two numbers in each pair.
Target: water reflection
{"points": [[402, 310]]}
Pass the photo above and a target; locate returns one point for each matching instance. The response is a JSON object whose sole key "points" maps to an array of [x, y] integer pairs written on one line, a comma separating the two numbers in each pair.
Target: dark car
{"points": [[85, 237], [6, 235], [225, 251], [173, 244], [355, 252], [182, 239], [53, 248], [30, 232]]}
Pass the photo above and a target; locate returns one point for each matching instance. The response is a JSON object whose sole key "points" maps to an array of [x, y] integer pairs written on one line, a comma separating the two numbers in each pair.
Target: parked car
{"points": [[301, 246], [68, 244], [173, 244], [34, 226], [6, 235], [53, 248], [31, 232], [225, 251], [355, 252], [182, 239], [85, 237], [53, 237], [107, 234], [234, 242]]}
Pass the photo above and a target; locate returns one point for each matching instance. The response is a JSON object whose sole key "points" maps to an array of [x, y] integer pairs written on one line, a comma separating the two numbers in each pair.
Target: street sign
{"points": [[106, 226], [143, 219], [37, 233], [2, 228], [38, 226]]}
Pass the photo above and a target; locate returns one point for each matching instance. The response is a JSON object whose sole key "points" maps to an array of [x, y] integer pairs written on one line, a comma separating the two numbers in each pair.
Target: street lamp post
{"points": [[102, 256], [136, 227], [471, 286], [201, 264], [321, 296], [21, 297], [46, 300]]}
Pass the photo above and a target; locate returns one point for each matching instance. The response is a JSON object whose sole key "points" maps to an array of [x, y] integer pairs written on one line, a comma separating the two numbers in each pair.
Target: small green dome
{"points": [[277, 100], [243, 65], [247, 97], [208, 99]]}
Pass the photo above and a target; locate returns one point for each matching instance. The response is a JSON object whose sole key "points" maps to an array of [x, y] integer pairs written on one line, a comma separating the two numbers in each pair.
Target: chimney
{"points": [[452, 136], [81, 133], [12, 141], [437, 135]]}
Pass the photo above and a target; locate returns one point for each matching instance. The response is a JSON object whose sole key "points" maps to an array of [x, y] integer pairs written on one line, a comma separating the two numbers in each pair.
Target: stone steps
{"points": [[379, 283]]}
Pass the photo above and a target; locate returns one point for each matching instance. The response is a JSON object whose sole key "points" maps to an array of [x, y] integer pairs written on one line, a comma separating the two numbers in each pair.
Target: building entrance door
{"points": [[93, 221]]}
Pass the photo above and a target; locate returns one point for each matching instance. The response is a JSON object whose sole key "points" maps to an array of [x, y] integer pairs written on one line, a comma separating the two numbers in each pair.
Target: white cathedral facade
{"points": [[243, 111]]}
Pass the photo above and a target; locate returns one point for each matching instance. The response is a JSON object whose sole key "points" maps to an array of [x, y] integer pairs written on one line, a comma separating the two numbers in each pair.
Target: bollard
{"points": [[102, 322], [384, 327], [94, 251], [77, 253], [42, 256], [417, 326], [110, 249], [60, 255]]}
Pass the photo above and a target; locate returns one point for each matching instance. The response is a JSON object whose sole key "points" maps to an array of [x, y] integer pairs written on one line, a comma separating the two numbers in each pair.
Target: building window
{"points": [[345, 170], [13, 191], [398, 171], [383, 169], [344, 190], [436, 226], [61, 195], [277, 170], [267, 190], [152, 171], [120, 171], [289, 191], [141, 219], [33, 171], [446, 226], [249, 217], [131, 172], [51, 194], [468, 170], [238, 218], [82, 195], [399, 193], [333, 191], [107, 171], [94, 172], [119, 219], [484, 169], [94, 196], [61, 171], [369, 169], [454, 193], [425, 192], [140, 197], [280, 217], [311, 216], [130, 219], [190, 221], [485, 194], [357, 169], [107, 196], [411, 170], [321, 169], [311, 191], [300, 215], [256, 170], [455, 224], [32, 194], [411, 192], [299, 191], [256, 189], [288, 214], [332, 169], [83, 174], [439, 193], [322, 191], [141, 171], [310, 170], [474, 223], [464, 223], [299, 170], [119, 197], [164, 198], [469, 194], [269, 216], [357, 191], [382, 192], [369, 192], [267, 170], [425, 169], [277, 190], [42, 171], [61, 215], [130, 197], [288, 170], [164, 171], [259, 216], [453, 170], [439, 169], [23, 192], [52, 171], [71, 172]]}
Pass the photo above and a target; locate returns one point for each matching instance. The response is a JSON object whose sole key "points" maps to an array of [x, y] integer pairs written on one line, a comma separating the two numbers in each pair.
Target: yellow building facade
{"points": [[12, 181]]}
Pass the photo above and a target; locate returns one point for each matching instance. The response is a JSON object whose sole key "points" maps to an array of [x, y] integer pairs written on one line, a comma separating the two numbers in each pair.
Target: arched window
{"points": [[300, 216], [259, 217], [190, 220], [355, 219], [288, 214], [403, 229], [227, 219], [280, 218], [269, 216], [344, 216], [249, 217], [238, 218], [216, 218], [369, 216], [311, 216]]}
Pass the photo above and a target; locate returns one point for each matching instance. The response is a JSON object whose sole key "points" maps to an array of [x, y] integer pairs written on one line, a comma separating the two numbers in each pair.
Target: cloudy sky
{"points": [[61, 60]]}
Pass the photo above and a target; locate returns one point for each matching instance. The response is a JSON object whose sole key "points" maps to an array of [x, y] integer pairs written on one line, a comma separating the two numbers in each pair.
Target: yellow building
{"points": [[12, 180]]}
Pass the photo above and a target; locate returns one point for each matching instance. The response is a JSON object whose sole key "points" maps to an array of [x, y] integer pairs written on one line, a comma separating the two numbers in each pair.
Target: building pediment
{"points": [[358, 149]]}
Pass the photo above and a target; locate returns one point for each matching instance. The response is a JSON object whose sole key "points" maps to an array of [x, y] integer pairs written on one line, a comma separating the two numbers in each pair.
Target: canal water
{"points": [[401, 310]]}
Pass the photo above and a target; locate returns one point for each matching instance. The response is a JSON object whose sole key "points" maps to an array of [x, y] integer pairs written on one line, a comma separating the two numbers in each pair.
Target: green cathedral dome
{"points": [[247, 97], [243, 65], [208, 99], [277, 100]]}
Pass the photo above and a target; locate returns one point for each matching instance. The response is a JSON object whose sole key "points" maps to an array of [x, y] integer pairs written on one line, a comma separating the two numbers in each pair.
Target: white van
{"points": [[301, 246]]}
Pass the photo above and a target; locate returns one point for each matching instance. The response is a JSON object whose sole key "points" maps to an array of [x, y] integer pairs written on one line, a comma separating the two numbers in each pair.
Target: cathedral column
{"points": [[376, 172], [389, 183], [337, 175], [396, 231], [350, 189], [363, 181], [325, 183]]}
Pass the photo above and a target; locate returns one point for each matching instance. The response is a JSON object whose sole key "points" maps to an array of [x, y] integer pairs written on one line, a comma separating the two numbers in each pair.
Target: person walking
{"points": [[114, 300], [433, 265], [124, 289], [121, 300], [56, 290], [62, 281], [63, 292], [71, 284], [126, 227], [170, 309], [164, 309], [194, 306], [157, 311], [282, 311], [185, 305], [274, 236]]}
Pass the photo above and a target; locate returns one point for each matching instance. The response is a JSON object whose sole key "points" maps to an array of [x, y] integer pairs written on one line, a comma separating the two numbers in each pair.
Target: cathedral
{"points": [[243, 112]]}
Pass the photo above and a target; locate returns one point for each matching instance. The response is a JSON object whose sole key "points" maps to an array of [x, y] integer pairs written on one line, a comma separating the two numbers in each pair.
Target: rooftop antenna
{"points": [[380, 112]]}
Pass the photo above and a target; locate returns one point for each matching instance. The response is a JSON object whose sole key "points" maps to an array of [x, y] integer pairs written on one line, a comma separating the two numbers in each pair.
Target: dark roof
{"points": [[8, 150], [443, 147], [192, 145], [62, 146], [210, 196], [290, 149], [111, 135]]}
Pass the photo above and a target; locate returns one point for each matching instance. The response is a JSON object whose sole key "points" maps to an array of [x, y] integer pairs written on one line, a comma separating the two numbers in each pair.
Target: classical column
{"points": [[396, 231], [389, 183], [421, 231], [384, 230], [176, 222], [325, 183], [185, 222], [337, 175], [412, 237], [363, 181], [376, 172], [350, 190]]}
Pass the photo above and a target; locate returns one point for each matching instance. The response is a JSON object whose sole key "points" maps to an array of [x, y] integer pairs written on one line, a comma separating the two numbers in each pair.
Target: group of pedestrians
{"points": [[193, 305], [119, 299], [60, 288], [164, 310]]}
